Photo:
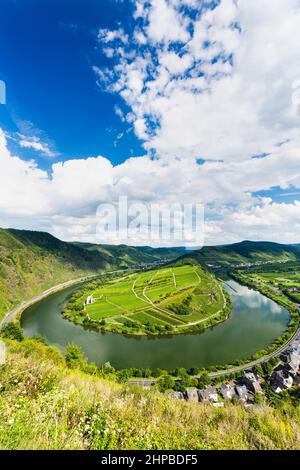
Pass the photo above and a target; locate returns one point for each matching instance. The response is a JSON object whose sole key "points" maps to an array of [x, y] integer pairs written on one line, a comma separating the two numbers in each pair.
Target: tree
{"points": [[267, 368], [182, 372], [123, 375], [258, 369], [179, 386], [12, 331], [107, 368], [168, 328], [159, 372], [166, 382], [74, 357], [193, 371], [147, 373], [204, 380]]}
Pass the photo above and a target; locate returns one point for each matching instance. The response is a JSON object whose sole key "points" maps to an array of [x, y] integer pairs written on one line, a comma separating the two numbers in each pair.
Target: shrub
{"points": [[12, 331], [74, 357], [165, 383]]}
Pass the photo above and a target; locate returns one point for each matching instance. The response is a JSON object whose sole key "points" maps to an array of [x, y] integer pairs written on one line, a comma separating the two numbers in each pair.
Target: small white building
{"points": [[176, 395], [90, 300], [252, 382], [282, 379], [192, 395], [219, 404], [242, 392], [210, 394], [227, 391]]}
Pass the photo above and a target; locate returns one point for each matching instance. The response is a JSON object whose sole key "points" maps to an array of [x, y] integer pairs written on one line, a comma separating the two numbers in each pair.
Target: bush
{"points": [[123, 375], [12, 331], [165, 383], [74, 357], [204, 380]]}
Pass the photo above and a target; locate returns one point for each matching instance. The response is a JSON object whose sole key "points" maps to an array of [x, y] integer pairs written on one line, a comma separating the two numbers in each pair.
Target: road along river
{"points": [[254, 323]]}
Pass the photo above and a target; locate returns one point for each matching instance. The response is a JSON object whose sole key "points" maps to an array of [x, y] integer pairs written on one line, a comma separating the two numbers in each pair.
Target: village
{"points": [[245, 389]]}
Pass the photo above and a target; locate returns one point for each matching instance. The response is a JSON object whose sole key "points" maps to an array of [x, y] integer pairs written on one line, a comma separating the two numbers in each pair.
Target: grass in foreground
{"points": [[45, 405]]}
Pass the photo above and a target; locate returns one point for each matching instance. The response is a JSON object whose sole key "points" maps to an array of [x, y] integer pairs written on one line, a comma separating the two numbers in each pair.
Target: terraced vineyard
{"points": [[156, 301]]}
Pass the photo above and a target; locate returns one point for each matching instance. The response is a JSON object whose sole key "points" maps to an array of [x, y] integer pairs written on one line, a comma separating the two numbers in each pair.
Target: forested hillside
{"points": [[125, 255], [244, 252], [31, 262]]}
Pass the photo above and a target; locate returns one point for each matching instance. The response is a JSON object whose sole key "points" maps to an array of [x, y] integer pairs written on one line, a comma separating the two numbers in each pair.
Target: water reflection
{"points": [[254, 323]]}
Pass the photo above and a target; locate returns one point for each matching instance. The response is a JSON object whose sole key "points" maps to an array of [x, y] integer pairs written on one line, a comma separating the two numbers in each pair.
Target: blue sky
{"points": [[47, 49], [161, 101]]}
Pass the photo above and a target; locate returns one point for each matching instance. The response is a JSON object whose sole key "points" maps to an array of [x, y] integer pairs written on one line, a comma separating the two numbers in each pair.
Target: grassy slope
{"points": [[44, 405], [244, 252], [31, 262]]}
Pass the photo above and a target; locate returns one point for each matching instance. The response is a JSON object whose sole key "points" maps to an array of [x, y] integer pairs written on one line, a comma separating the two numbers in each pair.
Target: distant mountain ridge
{"points": [[129, 255], [31, 262], [243, 252]]}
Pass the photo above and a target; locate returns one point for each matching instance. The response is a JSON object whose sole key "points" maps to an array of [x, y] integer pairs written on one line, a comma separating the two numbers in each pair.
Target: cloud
{"points": [[233, 103], [174, 63], [37, 145], [209, 90], [165, 23], [279, 222], [107, 36], [65, 202]]}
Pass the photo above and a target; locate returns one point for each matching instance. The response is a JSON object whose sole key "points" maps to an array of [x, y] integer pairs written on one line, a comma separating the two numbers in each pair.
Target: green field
{"points": [[287, 281], [160, 300]]}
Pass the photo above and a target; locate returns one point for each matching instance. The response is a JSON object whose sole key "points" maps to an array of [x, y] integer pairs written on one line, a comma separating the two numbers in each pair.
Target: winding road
{"points": [[249, 365], [19, 309], [14, 312]]}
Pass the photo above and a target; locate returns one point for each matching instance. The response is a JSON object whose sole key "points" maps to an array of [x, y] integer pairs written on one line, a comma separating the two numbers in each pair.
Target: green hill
{"points": [[46, 405], [159, 301], [124, 255], [244, 252], [31, 262]]}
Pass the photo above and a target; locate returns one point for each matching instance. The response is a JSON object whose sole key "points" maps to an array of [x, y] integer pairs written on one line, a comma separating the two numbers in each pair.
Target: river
{"points": [[254, 323]]}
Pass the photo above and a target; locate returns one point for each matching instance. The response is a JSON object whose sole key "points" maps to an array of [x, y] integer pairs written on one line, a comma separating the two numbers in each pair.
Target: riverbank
{"points": [[17, 311], [251, 326]]}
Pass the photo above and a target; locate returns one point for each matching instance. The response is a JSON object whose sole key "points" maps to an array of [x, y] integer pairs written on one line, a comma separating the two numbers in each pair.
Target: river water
{"points": [[254, 323]]}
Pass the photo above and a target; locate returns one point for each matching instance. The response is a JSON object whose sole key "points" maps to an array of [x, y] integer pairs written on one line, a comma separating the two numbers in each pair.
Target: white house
{"points": [[90, 300], [227, 391], [252, 383], [282, 379], [210, 394], [242, 392]]}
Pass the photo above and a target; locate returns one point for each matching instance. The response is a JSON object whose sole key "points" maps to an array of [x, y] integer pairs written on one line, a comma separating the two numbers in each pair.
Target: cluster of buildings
{"points": [[284, 376], [260, 263], [148, 265], [293, 289], [241, 390], [287, 374]]}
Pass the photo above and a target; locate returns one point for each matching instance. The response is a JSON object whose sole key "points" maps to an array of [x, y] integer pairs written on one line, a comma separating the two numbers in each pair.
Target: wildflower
{"points": [[10, 422]]}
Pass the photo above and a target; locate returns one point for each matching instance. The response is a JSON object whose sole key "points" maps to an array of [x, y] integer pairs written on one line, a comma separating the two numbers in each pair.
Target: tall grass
{"points": [[45, 405]]}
